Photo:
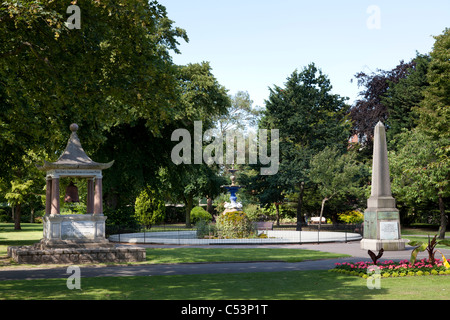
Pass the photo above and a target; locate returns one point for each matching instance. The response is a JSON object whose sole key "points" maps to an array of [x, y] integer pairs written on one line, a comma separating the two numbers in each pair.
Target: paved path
{"points": [[351, 248]]}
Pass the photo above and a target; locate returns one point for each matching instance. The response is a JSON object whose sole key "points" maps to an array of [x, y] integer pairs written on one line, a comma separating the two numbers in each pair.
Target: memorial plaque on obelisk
{"points": [[381, 218]]}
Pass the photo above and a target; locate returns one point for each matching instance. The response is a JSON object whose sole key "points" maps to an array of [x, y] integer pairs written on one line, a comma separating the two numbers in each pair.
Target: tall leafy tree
{"points": [[191, 182], [421, 163], [401, 98], [421, 172], [336, 174], [139, 153], [240, 115], [434, 111], [115, 69], [370, 108], [309, 117]]}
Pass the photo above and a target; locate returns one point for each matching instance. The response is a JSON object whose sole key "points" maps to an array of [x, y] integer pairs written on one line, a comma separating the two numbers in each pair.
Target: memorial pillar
{"points": [[98, 201], [90, 196], [55, 196], [48, 196], [381, 218]]}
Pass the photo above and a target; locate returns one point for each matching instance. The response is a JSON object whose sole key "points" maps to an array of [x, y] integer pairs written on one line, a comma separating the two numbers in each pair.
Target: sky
{"points": [[253, 45]]}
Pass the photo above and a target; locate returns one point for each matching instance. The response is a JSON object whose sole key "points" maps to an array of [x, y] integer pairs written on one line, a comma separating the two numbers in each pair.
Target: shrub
{"points": [[73, 208], [205, 229], [234, 224], [198, 213], [254, 212], [4, 216], [351, 216], [149, 207]]}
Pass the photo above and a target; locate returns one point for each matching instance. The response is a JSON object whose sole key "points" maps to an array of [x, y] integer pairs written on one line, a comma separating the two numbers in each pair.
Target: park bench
{"points": [[315, 220], [264, 225]]}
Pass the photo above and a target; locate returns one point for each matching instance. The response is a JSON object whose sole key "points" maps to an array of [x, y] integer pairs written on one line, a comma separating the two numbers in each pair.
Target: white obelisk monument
{"points": [[381, 218]]}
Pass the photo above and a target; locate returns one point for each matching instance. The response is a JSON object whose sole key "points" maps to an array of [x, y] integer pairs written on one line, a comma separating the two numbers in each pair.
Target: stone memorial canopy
{"points": [[74, 162], [74, 238], [74, 158]]}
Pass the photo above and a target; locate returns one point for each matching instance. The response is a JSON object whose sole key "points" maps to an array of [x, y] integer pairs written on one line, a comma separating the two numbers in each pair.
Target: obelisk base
{"points": [[382, 230], [387, 245]]}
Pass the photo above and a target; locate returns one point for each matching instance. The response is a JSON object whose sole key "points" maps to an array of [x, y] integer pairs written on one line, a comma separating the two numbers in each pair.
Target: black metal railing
{"points": [[121, 233]]}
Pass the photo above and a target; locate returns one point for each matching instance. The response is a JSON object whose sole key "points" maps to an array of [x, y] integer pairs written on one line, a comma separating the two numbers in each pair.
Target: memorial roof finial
{"points": [[73, 127]]}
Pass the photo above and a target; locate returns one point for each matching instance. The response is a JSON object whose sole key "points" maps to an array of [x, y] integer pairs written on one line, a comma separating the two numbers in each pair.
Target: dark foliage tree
{"points": [[369, 109]]}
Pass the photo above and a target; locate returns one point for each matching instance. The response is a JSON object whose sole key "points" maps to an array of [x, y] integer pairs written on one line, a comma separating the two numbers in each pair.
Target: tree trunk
{"points": [[299, 207], [321, 211], [209, 205], [17, 217], [188, 202], [277, 207], [32, 216], [443, 226]]}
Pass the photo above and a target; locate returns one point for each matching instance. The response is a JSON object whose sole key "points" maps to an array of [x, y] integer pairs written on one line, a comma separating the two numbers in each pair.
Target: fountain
{"points": [[273, 236], [232, 189]]}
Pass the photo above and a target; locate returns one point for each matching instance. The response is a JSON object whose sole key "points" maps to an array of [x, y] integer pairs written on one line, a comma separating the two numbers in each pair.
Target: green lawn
{"points": [[190, 255], [293, 285], [31, 233], [296, 285]]}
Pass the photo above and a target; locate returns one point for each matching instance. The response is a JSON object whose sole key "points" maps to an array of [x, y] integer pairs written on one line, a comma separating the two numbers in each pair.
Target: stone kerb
{"points": [[273, 237], [25, 254]]}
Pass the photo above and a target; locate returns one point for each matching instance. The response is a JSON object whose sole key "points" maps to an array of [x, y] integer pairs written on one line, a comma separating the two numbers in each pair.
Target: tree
{"points": [[311, 118], [17, 196], [264, 188], [191, 182], [25, 187], [370, 108], [403, 97], [115, 69], [434, 111], [240, 115], [149, 207], [335, 173], [138, 156], [426, 174], [420, 171], [201, 96]]}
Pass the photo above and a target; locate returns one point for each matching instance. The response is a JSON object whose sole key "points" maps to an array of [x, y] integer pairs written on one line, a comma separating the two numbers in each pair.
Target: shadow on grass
{"points": [[7, 242], [291, 285], [25, 227]]}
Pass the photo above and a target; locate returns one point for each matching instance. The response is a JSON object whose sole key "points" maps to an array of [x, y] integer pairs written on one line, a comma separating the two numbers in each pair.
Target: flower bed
{"points": [[389, 268]]}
